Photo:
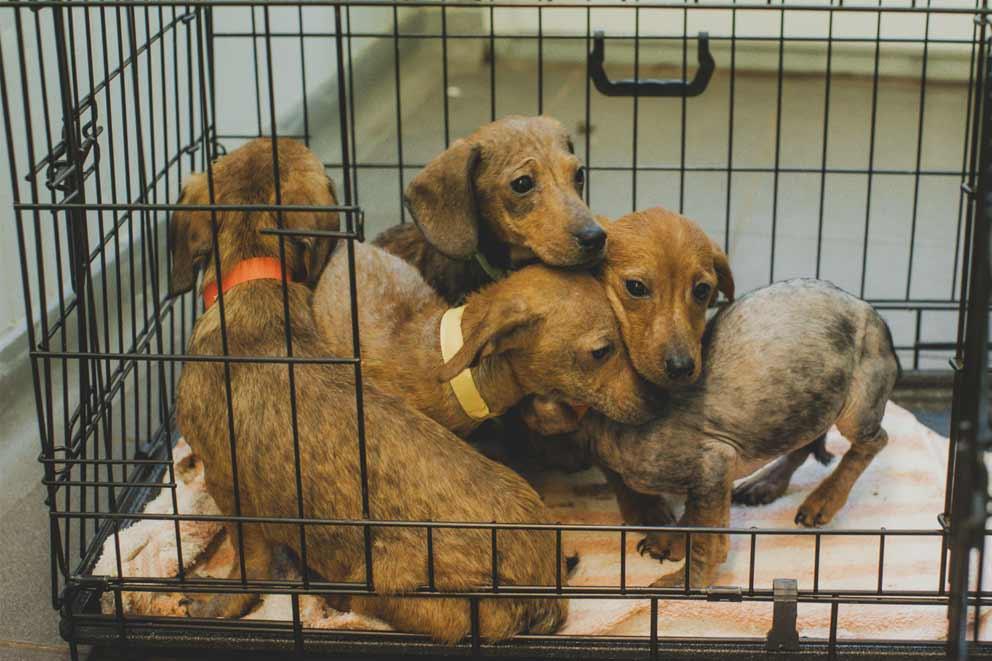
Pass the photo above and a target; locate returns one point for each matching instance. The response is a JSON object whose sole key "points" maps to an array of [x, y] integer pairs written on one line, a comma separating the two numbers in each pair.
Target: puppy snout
{"points": [[591, 238], [679, 366]]}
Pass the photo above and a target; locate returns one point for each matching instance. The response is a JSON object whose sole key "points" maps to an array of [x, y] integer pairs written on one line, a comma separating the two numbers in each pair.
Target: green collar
{"points": [[493, 272]]}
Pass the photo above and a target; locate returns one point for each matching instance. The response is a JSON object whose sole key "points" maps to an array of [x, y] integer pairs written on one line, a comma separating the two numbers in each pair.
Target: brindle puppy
{"points": [[780, 367], [511, 193], [417, 470]]}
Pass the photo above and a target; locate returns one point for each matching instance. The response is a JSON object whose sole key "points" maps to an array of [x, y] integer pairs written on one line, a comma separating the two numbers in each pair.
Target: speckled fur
{"points": [[417, 470], [780, 367]]}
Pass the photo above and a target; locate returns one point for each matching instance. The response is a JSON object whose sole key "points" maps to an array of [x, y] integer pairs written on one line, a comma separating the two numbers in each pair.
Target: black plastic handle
{"points": [[649, 87]]}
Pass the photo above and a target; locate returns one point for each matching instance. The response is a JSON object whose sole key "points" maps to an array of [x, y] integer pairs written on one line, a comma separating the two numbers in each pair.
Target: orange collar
{"points": [[256, 268]]}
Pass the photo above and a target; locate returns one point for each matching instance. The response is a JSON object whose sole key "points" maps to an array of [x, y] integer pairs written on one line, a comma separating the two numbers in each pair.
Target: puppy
{"points": [[509, 194], [661, 273], [539, 330], [417, 470], [780, 367]]}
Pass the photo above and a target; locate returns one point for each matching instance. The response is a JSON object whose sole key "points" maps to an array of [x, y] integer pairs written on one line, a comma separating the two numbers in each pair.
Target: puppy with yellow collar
{"points": [[538, 331]]}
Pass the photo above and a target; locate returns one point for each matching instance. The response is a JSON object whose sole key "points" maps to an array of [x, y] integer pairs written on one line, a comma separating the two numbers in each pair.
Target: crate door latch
{"points": [[783, 635]]}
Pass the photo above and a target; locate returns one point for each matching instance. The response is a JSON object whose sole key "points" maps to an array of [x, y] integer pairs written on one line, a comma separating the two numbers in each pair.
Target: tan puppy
{"points": [[417, 470], [538, 331], [661, 273], [509, 194]]}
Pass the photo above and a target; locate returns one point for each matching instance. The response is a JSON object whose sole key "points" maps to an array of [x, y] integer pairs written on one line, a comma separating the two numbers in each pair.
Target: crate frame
{"points": [[76, 360]]}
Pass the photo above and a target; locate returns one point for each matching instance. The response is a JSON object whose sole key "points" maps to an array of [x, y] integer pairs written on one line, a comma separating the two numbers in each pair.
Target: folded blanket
{"points": [[902, 489]]}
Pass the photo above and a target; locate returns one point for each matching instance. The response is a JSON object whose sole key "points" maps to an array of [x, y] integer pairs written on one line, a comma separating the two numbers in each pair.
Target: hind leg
{"points": [[771, 482], [821, 505]]}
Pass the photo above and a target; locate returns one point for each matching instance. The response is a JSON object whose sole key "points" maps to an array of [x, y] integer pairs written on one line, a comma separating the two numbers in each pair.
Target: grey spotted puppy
{"points": [[781, 365]]}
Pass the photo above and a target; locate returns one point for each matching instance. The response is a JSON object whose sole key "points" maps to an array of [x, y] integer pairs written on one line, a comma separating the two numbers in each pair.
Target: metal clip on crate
{"points": [[783, 635], [647, 86]]}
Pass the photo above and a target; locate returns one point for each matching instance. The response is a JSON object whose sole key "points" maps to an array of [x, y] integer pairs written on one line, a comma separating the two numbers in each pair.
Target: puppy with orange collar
{"points": [[284, 445]]}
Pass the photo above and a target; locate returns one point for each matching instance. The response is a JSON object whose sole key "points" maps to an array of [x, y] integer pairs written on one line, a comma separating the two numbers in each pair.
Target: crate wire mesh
{"points": [[108, 105]]}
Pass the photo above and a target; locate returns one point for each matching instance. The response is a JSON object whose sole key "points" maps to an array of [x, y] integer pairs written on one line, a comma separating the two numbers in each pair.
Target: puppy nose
{"points": [[679, 367], [591, 237]]}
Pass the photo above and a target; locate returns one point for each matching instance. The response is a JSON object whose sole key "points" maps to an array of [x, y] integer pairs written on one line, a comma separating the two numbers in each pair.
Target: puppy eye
{"points": [[636, 288], [701, 291], [602, 352], [580, 179], [522, 185]]}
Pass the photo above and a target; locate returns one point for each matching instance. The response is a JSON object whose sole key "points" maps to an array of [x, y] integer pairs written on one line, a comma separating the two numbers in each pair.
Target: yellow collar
{"points": [[463, 384]]}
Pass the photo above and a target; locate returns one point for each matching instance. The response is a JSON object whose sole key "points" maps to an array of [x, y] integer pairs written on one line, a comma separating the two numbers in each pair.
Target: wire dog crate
{"points": [[847, 141]]}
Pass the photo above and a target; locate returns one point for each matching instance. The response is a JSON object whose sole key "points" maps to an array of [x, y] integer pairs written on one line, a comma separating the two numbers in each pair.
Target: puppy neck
{"points": [[256, 268]]}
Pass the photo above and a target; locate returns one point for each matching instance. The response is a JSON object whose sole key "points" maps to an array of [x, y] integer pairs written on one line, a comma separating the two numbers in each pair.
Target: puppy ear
{"points": [[441, 199], [500, 329], [190, 238], [318, 250], [312, 189], [724, 276]]}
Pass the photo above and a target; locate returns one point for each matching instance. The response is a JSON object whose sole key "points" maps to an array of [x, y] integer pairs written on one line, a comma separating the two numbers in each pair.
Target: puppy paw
{"points": [[818, 509], [759, 490], [218, 605], [663, 546]]}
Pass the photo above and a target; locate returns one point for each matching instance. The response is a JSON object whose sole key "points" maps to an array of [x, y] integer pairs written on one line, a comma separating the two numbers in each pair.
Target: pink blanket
{"points": [[902, 489]]}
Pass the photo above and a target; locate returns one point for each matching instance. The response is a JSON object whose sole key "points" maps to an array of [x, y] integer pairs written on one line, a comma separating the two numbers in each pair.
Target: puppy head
{"points": [[661, 273], [515, 181], [558, 332], [245, 177]]}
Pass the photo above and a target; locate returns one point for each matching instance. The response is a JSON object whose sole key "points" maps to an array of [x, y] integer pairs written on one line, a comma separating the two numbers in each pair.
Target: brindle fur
{"points": [[780, 367], [462, 203], [417, 470]]}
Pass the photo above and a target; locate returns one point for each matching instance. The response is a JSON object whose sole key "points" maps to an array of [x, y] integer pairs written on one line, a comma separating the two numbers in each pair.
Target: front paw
{"points": [[663, 546]]}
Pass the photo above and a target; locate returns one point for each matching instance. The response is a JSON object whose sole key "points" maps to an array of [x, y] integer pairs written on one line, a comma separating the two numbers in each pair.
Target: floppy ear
{"points": [[441, 199], [500, 329], [317, 250], [724, 276], [189, 238]]}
